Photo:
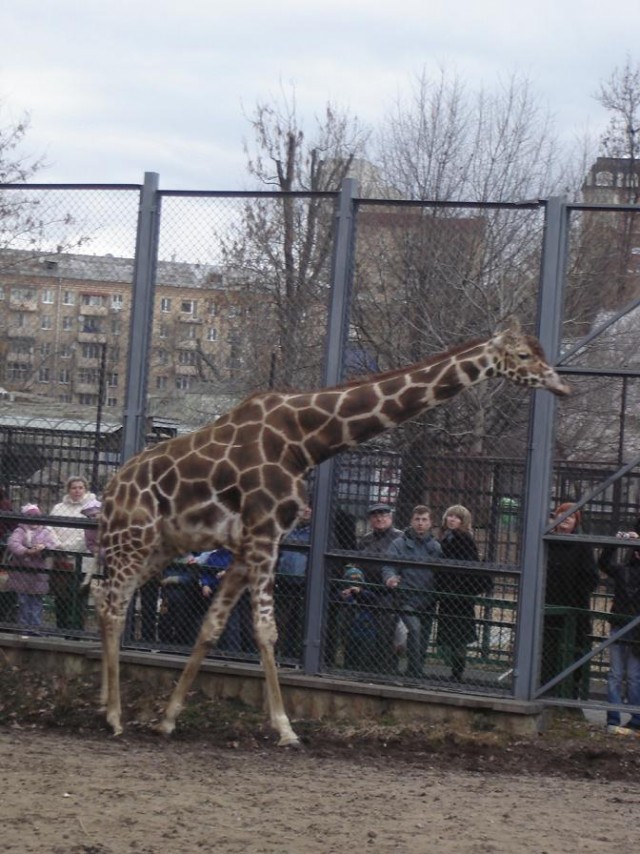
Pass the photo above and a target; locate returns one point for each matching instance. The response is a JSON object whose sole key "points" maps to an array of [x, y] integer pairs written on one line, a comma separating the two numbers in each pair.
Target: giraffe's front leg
{"points": [[231, 588], [110, 690]]}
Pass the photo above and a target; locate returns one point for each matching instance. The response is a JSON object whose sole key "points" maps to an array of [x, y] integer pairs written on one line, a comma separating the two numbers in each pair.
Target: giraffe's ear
{"points": [[513, 325], [509, 333]]}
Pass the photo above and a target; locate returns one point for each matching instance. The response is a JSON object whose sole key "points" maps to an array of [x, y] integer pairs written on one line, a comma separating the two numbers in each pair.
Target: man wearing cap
{"points": [[377, 542]]}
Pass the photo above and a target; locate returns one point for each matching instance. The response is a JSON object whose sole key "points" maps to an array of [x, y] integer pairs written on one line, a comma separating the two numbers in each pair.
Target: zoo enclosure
{"points": [[383, 267]]}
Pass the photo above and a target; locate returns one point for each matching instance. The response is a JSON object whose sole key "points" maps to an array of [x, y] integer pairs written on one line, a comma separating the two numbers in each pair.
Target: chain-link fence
{"points": [[422, 573]]}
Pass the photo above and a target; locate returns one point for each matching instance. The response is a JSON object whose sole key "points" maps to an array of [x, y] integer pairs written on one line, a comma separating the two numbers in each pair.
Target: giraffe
{"points": [[239, 482]]}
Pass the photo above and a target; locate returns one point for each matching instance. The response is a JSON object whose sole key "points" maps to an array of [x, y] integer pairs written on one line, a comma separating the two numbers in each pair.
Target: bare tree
{"points": [[434, 273], [620, 95], [282, 247]]}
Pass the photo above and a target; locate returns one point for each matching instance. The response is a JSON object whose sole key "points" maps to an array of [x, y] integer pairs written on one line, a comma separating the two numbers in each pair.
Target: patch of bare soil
{"points": [[221, 783]]}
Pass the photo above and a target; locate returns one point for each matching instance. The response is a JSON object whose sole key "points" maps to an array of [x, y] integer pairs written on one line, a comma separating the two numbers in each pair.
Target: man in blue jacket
{"points": [[413, 586]]}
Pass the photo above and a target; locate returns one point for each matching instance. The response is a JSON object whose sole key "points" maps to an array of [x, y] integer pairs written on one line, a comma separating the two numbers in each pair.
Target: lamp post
{"points": [[102, 381]]}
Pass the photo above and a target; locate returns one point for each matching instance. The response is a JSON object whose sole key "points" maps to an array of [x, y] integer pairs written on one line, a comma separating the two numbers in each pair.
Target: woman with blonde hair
{"points": [[456, 589], [69, 596]]}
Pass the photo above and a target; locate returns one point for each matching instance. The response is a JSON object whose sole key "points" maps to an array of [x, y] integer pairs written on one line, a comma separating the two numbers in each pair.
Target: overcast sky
{"points": [[118, 88]]}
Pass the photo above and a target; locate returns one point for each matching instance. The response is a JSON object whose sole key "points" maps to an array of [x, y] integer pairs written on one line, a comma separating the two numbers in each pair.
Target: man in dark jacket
{"points": [[624, 654], [413, 586], [376, 543], [571, 578]]}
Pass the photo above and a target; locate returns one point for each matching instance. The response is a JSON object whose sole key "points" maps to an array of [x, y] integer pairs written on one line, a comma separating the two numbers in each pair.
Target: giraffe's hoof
{"points": [[290, 741], [114, 723], [164, 728]]}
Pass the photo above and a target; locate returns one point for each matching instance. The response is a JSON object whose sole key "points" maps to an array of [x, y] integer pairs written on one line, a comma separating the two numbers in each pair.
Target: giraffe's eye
{"points": [[523, 356]]}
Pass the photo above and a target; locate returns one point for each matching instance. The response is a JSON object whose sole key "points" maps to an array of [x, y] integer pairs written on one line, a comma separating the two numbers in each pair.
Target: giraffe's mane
{"points": [[382, 375], [423, 363]]}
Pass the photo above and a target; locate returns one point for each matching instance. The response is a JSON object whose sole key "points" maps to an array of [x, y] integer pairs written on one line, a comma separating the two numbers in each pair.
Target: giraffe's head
{"points": [[521, 359]]}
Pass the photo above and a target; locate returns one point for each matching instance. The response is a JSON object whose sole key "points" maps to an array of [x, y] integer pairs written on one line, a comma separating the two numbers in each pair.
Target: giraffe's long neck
{"points": [[355, 412]]}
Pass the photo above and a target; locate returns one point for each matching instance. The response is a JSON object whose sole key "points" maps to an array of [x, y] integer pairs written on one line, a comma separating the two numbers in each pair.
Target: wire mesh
{"points": [[242, 290]]}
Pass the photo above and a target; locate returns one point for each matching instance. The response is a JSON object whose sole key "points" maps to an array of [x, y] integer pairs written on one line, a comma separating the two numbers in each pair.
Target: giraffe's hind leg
{"points": [[266, 633], [231, 588]]}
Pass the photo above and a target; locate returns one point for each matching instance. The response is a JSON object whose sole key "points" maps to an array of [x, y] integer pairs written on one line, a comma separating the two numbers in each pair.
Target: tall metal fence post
{"points": [[540, 457], [337, 330], [141, 322]]}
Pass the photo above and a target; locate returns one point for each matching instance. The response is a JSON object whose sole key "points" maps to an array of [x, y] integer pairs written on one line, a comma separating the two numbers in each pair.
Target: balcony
{"points": [[92, 338], [94, 310], [23, 305], [16, 331]]}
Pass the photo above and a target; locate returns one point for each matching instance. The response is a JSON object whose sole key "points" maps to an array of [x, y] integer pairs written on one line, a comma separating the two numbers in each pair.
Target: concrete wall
{"points": [[306, 697]]}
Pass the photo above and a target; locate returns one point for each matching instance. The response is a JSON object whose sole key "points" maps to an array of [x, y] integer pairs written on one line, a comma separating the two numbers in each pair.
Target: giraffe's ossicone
{"points": [[239, 483]]}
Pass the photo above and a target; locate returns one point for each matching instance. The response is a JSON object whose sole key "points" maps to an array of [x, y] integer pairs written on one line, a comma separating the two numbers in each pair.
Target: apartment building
{"points": [[64, 327]]}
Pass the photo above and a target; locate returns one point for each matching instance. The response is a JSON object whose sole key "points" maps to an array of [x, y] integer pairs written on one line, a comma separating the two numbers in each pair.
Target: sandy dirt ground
{"points": [[64, 793]]}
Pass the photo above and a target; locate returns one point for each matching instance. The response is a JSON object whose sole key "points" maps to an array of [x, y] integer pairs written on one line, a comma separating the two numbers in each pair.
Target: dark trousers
{"points": [[69, 597], [148, 594], [289, 600]]}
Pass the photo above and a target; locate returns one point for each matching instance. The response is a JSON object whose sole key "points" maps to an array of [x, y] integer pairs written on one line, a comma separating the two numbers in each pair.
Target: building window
{"points": [[65, 398], [112, 401], [88, 376], [17, 371], [88, 399], [64, 376], [112, 379], [213, 309], [23, 294], [67, 323], [94, 300], [116, 327], [165, 304], [46, 322], [212, 333], [186, 357], [21, 347], [161, 382], [90, 324], [162, 332], [68, 298], [44, 375], [91, 351], [188, 306], [163, 357], [46, 348], [604, 179], [183, 383], [65, 351], [47, 296], [189, 333], [117, 301]]}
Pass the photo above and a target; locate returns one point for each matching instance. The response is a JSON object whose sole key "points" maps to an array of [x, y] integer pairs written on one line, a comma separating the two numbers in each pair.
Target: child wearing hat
{"points": [[360, 626], [28, 544], [91, 510]]}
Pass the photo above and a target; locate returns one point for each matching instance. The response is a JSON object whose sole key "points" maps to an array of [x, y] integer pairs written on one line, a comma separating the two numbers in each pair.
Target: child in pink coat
{"points": [[28, 544]]}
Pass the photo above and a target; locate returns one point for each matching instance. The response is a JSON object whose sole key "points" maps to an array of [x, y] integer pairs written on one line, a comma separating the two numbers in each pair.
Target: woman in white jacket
{"points": [[69, 596]]}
